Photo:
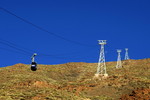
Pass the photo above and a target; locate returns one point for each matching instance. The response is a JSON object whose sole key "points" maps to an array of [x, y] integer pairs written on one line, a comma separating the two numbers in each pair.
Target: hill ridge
{"points": [[74, 81]]}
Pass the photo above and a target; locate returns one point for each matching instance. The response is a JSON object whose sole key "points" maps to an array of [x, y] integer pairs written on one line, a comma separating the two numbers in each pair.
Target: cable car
{"points": [[33, 66]]}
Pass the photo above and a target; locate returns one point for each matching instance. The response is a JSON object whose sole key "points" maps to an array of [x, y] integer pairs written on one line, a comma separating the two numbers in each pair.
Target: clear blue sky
{"points": [[123, 23]]}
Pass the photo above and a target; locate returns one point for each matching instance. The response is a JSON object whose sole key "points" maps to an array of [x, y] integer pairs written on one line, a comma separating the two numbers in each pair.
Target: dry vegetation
{"points": [[74, 81]]}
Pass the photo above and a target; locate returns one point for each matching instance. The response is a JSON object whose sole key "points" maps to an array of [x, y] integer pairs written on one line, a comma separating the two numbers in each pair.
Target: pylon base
{"points": [[100, 76]]}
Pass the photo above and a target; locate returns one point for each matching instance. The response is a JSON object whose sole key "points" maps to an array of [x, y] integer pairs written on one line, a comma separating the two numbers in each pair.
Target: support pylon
{"points": [[119, 64], [101, 69], [126, 54]]}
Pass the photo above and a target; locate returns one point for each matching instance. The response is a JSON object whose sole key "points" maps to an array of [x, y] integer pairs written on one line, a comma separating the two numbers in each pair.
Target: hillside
{"points": [[74, 81]]}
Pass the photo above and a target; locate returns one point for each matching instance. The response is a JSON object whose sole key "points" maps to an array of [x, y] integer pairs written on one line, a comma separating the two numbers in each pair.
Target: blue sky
{"points": [[78, 25]]}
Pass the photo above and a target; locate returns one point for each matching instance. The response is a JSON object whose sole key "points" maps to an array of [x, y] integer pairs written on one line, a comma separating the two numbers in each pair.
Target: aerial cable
{"points": [[20, 48], [42, 29], [64, 57], [39, 55], [9, 50], [54, 56], [70, 53], [17, 46], [24, 51]]}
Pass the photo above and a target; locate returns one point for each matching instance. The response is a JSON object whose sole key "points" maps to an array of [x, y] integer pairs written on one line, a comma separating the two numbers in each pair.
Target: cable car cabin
{"points": [[33, 66]]}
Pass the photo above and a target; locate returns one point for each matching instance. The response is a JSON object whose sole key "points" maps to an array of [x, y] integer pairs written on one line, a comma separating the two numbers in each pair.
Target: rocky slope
{"points": [[75, 81]]}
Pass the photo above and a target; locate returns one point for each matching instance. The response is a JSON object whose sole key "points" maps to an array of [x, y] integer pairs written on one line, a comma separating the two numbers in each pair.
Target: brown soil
{"points": [[139, 94]]}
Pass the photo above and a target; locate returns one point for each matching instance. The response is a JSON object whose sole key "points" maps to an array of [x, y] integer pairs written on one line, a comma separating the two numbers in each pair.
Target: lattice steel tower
{"points": [[119, 64], [126, 54], [101, 69]]}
